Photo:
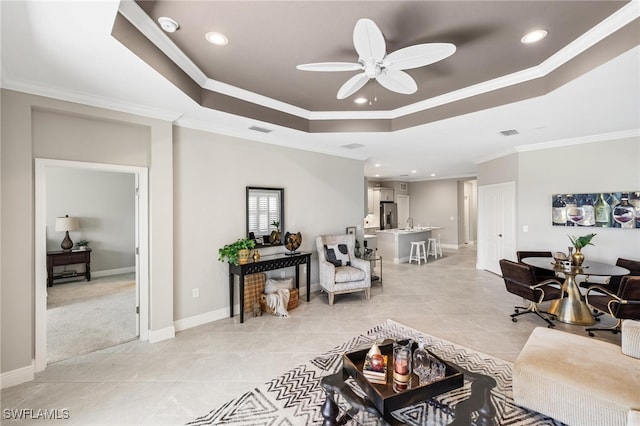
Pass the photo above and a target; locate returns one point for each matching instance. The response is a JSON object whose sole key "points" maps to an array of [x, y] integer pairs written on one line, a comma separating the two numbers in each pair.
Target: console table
{"points": [[267, 263], [68, 257]]}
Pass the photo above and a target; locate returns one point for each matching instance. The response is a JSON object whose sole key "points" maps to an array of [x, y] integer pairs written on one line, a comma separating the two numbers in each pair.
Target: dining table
{"points": [[571, 307]]}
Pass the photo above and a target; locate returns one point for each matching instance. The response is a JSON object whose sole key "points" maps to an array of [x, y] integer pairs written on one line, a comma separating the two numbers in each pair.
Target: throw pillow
{"points": [[272, 286], [337, 254]]}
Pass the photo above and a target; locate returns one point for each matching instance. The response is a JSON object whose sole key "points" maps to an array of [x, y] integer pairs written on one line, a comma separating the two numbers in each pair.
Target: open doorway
{"points": [[75, 316]]}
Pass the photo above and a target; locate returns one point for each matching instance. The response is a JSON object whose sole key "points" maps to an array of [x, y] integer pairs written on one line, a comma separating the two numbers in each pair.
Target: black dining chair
{"points": [[520, 279], [541, 274], [621, 305]]}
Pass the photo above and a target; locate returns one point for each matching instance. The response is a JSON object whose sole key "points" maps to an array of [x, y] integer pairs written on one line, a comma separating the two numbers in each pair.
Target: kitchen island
{"points": [[394, 245]]}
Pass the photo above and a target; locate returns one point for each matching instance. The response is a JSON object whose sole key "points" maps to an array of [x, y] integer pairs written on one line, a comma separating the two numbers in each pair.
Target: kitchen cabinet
{"points": [[370, 203], [386, 194]]}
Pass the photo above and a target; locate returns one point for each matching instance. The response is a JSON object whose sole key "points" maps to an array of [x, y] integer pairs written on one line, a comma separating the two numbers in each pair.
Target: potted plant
{"points": [[579, 243], [237, 252], [82, 244]]}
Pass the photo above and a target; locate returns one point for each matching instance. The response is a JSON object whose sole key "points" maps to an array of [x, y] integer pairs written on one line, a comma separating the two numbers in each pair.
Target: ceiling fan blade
{"points": [[330, 66], [368, 41], [418, 55], [397, 81], [352, 85]]}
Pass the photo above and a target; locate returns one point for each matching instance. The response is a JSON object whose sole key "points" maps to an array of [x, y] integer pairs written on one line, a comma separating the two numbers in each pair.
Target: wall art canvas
{"points": [[599, 209]]}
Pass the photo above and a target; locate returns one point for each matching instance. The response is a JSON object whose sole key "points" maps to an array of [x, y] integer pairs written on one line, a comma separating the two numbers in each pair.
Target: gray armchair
{"points": [[339, 269]]}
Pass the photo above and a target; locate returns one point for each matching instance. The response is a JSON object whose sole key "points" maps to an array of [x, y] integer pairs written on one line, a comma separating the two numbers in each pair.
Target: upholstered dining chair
{"points": [[541, 274], [339, 269], [614, 282], [520, 279], [621, 305]]}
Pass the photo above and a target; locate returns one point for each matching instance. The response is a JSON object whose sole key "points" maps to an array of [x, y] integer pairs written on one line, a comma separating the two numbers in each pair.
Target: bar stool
{"points": [[418, 247], [434, 247]]}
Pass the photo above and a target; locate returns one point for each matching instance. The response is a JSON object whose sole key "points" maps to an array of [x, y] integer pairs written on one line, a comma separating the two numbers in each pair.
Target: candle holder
{"points": [[402, 365]]}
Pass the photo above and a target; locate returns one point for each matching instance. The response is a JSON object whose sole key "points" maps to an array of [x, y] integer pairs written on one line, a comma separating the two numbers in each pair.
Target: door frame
{"points": [[142, 240]]}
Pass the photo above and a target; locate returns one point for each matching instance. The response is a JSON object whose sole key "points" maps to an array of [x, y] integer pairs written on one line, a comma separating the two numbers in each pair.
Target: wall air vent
{"points": [[352, 146], [260, 129], [509, 132]]}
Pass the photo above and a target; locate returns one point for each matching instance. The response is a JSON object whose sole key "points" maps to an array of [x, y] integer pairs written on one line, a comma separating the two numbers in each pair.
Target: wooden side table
{"points": [[64, 258]]}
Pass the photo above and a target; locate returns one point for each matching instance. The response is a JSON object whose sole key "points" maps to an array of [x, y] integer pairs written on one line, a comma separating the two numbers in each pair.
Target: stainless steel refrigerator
{"points": [[388, 215]]}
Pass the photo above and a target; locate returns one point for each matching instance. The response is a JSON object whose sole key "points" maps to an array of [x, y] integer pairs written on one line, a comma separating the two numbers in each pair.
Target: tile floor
{"points": [[174, 381]]}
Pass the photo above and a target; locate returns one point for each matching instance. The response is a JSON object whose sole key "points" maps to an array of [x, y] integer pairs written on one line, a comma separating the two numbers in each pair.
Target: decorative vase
{"points": [[256, 255], [275, 237], [577, 258], [292, 242], [243, 256]]}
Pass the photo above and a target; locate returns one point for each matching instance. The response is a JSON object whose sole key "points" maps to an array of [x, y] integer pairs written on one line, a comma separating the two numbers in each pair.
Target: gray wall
{"points": [[104, 203], [323, 195], [34, 126], [606, 166], [435, 203], [206, 197]]}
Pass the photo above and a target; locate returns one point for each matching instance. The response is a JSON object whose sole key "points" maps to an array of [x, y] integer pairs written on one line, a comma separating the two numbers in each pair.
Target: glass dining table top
{"points": [[587, 267]]}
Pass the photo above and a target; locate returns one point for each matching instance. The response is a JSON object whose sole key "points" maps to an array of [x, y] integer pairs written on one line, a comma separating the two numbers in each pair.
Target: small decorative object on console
{"points": [[292, 242]]}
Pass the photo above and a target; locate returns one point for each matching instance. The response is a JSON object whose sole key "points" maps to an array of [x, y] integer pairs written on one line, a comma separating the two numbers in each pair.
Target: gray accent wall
{"points": [[104, 203]]}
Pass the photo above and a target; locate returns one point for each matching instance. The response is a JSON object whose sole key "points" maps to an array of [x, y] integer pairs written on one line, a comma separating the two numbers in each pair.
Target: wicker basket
{"points": [[253, 289], [293, 301]]}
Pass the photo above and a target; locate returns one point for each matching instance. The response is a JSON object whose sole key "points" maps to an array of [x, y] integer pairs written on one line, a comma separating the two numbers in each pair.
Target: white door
{"points": [[496, 225], [404, 209]]}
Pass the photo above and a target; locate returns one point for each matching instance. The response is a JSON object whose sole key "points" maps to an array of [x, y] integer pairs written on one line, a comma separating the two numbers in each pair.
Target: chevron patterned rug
{"points": [[296, 397]]}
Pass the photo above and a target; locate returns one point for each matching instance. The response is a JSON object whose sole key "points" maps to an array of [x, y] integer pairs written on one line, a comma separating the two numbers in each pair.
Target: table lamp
{"points": [[66, 224]]}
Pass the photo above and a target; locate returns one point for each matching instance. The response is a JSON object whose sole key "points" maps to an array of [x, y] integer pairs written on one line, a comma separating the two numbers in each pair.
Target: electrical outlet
{"points": [[195, 293]]}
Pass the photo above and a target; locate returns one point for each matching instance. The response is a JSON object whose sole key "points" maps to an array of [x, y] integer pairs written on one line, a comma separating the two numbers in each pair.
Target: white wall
{"points": [[104, 203], [607, 166], [323, 194]]}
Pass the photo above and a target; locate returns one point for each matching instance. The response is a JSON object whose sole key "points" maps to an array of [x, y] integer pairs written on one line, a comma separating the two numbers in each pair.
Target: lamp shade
{"points": [[67, 223]]}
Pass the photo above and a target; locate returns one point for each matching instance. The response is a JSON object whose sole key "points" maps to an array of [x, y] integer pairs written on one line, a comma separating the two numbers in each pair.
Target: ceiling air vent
{"points": [[260, 129], [352, 146], [509, 132]]}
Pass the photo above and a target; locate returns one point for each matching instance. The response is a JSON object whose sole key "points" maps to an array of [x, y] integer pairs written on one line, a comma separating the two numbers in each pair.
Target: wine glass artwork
{"points": [[575, 215]]}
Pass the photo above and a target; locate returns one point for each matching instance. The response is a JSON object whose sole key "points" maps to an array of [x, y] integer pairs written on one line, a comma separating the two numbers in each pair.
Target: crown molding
{"points": [[132, 12], [90, 100], [579, 141]]}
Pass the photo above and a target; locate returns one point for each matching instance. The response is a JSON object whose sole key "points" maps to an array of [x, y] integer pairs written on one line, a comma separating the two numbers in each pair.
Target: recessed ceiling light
{"points": [[218, 39], [377, 175], [432, 175], [360, 100], [168, 24], [377, 164], [414, 171], [534, 36]]}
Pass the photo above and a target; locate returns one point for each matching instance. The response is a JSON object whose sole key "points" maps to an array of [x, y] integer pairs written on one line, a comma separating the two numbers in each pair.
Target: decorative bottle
{"points": [[634, 199], [572, 205], [559, 214], [421, 361], [603, 212], [623, 213], [589, 217]]}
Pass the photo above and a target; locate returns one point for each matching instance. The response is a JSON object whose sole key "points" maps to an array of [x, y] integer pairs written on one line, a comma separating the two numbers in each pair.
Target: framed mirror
{"points": [[265, 206]]}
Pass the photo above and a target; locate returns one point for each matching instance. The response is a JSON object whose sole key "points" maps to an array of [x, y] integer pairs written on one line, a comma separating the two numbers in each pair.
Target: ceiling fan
{"points": [[375, 63]]}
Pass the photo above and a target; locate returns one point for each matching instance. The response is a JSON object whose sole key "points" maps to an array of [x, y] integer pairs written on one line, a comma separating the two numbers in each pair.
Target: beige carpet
{"points": [[83, 316]]}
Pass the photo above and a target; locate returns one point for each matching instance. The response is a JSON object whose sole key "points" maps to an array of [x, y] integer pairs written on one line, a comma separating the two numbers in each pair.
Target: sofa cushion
{"points": [[631, 338], [338, 254], [575, 379], [345, 274]]}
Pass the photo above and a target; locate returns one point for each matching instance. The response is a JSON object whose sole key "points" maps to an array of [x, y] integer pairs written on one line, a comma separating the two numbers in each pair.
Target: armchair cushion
{"points": [[345, 274], [338, 254]]}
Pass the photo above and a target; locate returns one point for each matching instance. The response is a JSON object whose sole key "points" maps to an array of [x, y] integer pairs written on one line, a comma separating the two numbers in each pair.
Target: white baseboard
{"points": [[218, 314], [16, 377], [109, 272], [166, 333]]}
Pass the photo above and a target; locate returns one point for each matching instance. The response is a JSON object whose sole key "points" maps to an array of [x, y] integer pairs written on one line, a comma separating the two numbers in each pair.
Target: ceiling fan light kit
{"points": [[373, 61], [168, 24]]}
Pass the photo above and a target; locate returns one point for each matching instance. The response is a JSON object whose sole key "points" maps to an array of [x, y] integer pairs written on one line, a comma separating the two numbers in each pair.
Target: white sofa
{"points": [[352, 275], [580, 380]]}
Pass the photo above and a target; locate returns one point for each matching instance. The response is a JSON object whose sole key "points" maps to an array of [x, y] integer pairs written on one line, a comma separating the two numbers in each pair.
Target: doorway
{"points": [[112, 285], [496, 225]]}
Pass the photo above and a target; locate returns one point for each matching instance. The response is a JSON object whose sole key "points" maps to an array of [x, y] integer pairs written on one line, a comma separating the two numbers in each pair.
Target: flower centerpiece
{"points": [[579, 243]]}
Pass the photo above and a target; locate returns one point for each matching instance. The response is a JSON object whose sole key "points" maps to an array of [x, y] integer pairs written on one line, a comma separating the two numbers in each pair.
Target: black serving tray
{"points": [[384, 397]]}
